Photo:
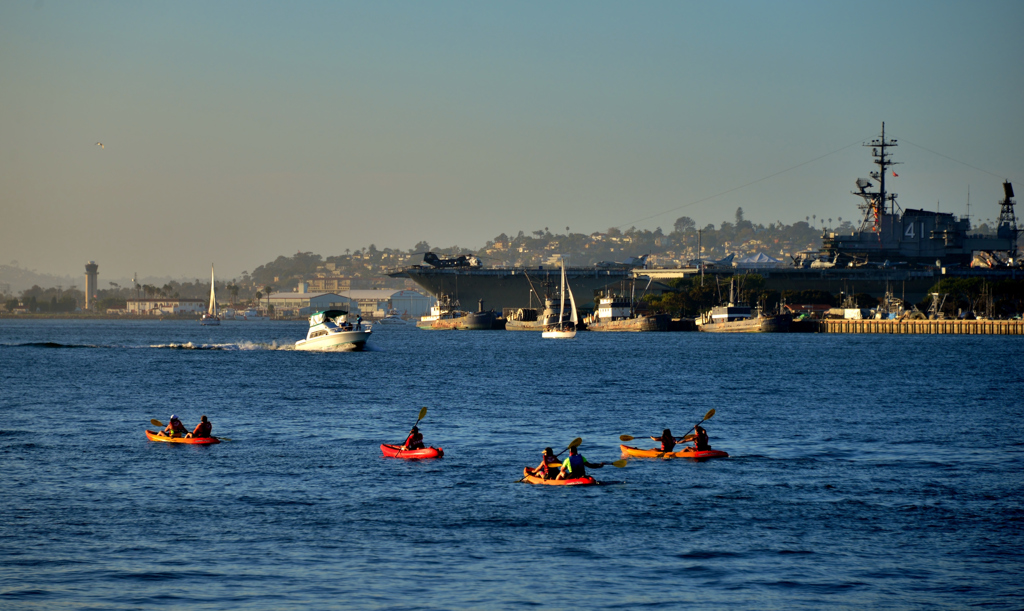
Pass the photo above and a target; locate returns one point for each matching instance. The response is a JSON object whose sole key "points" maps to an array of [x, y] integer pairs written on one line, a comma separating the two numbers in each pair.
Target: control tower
{"points": [[90, 283]]}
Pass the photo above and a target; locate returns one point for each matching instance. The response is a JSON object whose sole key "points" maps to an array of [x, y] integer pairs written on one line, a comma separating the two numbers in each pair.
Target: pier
{"points": [[935, 327]]}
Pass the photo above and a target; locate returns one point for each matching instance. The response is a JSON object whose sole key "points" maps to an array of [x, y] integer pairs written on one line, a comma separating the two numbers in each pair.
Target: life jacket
{"points": [[203, 429], [702, 441], [414, 441], [574, 465], [667, 444]]}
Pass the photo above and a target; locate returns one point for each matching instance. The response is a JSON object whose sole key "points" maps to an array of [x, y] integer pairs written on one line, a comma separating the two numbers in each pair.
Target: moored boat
{"points": [[733, 318], [395, 451], [687, 452], [618, 315], [330, 328], [210, 319], [153, 436], [563, 329]]}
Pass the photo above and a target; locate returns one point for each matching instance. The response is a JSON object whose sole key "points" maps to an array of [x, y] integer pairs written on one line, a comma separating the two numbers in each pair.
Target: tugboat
{"points": [[733, 318], [619, 315], [331, 328]]}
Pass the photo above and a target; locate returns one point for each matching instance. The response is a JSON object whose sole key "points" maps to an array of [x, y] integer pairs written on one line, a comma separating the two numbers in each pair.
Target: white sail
{"points": [[572, 303], [559, 331], [212, 311]]}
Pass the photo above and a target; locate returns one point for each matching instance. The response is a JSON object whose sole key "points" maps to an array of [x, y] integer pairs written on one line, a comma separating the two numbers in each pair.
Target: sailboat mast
{"points": [[561, 309]]}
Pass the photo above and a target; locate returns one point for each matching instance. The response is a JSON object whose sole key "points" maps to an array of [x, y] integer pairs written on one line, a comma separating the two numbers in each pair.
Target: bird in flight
{"points": [[99, 144]]}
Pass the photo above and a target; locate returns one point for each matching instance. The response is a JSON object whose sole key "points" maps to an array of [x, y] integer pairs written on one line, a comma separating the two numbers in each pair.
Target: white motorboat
{"points": [[251, 314], [210, 318], [330, 328], [563, 329], [392, 318]]}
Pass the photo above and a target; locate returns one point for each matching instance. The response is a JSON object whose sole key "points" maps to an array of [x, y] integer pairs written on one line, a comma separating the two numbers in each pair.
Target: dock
{"points": [[922, 327]]}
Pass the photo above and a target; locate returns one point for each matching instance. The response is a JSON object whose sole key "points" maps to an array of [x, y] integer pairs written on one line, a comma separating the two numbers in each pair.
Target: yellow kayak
{"points": [[687, 452]]}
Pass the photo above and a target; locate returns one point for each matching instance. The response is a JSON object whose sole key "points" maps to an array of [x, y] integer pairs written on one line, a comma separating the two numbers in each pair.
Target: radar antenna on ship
{"points": [[1007, 228], [874, 206]]}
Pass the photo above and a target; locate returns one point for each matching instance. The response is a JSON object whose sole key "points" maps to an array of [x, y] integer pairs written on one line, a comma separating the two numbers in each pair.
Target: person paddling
{"points": [[414, 441], [203, 429], [573, 467], [700, 444], [668, 442], [547, 466], [174, 428]]}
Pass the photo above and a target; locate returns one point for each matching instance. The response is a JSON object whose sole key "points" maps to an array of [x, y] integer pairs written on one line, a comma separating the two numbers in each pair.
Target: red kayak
{"points": [[397, 452], [152, 436]]}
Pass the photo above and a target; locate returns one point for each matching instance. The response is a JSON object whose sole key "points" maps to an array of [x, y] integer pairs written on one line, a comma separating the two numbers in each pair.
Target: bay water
{"points": [[865, 471]]}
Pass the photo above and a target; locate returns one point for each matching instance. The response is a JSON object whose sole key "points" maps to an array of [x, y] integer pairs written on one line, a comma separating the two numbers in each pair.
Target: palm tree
{"points": [[267, 289]]}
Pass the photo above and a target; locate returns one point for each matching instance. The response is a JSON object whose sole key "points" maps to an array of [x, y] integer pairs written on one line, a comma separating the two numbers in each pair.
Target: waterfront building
{"points": [[165, 306], [304, 303]]}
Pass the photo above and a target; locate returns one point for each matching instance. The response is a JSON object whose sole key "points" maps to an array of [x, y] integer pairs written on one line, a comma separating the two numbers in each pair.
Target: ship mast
{"points": [[874, 205], [1007, 227]]}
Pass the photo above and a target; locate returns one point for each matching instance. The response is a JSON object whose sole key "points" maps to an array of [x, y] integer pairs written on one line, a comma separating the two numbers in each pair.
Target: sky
{"points": [[235, 132]]}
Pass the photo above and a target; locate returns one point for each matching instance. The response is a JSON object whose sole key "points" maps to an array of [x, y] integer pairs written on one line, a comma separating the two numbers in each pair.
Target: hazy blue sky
{"points": [[237, 131]]}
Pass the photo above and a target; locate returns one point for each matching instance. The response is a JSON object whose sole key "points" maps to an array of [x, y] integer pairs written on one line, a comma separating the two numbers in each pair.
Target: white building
{"points": [[412, 304], [376, 303], [165, 306], [302, 304]]}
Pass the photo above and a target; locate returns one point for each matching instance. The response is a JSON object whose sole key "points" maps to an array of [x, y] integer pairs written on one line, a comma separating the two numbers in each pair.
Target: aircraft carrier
{"points": [[503, 288], [904, 252]]}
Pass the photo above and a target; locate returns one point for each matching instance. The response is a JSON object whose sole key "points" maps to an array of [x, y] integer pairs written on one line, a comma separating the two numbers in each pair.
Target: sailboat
{"points": [[211, 318], [563, 329]]}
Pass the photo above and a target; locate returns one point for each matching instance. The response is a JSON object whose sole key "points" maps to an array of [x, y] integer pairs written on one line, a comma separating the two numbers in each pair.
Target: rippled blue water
{"points": [[865, 471]]}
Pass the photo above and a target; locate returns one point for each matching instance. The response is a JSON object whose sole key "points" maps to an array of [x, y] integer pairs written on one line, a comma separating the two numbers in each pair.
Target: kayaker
{"points": [[414, 441], [667, 440], [572, 467], [203, 429], [174, 428], [547, 466], [701, 444]]}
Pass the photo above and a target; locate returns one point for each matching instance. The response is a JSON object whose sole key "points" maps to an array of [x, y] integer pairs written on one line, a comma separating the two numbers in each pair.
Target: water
{"points": [[865, 472]]}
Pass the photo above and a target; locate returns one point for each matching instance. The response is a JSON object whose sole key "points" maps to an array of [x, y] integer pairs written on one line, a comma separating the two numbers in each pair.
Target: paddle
{"points": [[683, 440], [711, 412], [423, 413], [573, 444]]}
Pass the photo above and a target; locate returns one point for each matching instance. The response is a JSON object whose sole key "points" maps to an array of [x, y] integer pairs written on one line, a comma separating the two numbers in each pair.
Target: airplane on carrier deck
{"points": [[630, 263], [461, 261], [710, 263]]}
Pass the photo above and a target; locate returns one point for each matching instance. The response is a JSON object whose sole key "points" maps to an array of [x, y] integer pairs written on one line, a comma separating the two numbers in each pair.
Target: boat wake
{"points": [[233, 346], [50, 345], [228, 346]]}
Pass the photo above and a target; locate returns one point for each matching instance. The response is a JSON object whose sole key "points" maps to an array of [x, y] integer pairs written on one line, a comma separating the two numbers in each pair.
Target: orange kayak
{"points": [[152, 436], [579, 481], [687, 452]]}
